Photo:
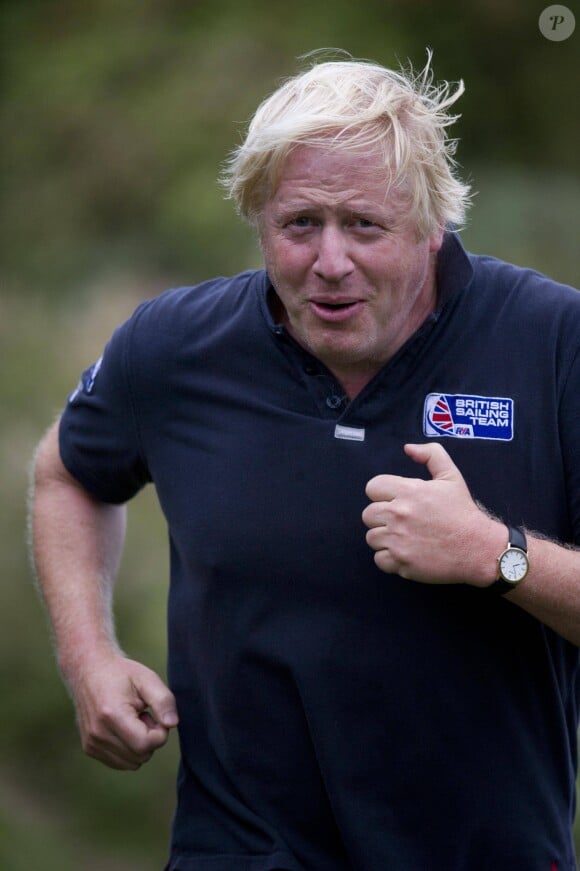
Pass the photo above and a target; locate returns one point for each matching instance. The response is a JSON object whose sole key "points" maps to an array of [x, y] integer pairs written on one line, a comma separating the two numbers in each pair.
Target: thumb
{"points": [[435, 457], [159, 699], [165, 711]]}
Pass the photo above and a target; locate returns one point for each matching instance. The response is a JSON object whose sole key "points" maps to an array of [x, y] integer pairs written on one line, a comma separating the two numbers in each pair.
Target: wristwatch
{"points": [[513, 563]]}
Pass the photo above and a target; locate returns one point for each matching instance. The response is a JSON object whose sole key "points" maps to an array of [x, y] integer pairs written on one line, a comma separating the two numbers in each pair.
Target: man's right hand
{"points": [[124, 711]]}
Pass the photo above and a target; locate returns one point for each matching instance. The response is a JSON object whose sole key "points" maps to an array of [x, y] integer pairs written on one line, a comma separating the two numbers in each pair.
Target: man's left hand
{"points": [[432, 531]]}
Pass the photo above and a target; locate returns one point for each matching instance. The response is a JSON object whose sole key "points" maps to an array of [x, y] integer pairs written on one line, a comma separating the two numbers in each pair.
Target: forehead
{"points": [[331, 177]]}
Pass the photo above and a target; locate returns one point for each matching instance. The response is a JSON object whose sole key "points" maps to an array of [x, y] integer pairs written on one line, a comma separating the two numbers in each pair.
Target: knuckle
{"points": [[404, 572], [140, 747], [401, 510], [92, 748], [374, 486], [374, 538], [383, 561], [107, 715], [145, 745], [370, 487], [93, 736]]}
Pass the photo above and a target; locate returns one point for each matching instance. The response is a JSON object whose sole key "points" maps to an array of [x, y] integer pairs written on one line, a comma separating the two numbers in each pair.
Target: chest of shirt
{"points": [[274, 446]]}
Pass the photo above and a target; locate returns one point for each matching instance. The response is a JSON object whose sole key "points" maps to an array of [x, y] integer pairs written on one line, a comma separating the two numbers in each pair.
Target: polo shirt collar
{"points": [[454, 270]]}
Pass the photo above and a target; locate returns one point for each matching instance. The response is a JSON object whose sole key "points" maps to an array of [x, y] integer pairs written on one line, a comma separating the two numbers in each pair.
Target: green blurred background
{"points": [[115, 118]]}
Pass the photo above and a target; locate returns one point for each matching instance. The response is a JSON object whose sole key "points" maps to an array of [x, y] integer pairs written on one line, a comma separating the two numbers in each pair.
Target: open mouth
{"points": [[335, 310], [335, 306]]}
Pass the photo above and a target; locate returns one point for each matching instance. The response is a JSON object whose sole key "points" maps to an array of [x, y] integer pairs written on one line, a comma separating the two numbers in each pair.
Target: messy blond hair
{"points": [[357, 106]]}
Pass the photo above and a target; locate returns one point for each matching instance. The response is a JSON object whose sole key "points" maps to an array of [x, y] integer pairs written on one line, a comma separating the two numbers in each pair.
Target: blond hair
{"points": [[354, 105]]}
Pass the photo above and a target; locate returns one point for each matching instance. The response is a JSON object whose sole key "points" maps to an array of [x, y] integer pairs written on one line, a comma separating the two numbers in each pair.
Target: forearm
{"points": [[412, 522], [551, 590], [77, 544], [124, 710]]}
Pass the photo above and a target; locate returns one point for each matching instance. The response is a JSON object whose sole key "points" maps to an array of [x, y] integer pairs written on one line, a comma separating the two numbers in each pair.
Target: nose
{"points": [[333, 260]]}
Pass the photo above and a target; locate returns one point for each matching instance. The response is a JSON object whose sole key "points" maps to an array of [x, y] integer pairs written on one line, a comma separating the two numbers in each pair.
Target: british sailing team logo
{"points": [[468, 417]]}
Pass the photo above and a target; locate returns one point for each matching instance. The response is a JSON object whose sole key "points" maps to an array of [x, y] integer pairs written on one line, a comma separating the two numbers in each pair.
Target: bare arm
{"points": [[124, 710], [412, 523]]}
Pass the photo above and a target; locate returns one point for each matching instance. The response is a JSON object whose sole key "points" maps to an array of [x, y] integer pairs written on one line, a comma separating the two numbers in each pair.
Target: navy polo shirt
{"points": [[334, 717]]}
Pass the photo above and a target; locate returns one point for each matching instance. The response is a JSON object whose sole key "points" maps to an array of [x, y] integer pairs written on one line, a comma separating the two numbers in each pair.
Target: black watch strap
{"points": [[516, 538]]}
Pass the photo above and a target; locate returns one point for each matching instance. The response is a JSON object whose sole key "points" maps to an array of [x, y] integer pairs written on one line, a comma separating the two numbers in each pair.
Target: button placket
{"points": [[334, 401]]}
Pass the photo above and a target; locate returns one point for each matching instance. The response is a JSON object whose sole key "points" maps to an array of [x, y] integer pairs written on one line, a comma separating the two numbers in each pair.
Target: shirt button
{"points": [[311, 369], [333, 401]]}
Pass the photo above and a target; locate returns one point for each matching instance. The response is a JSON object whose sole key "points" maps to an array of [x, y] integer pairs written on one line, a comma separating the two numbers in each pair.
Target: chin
{"points": [[341, 357]]}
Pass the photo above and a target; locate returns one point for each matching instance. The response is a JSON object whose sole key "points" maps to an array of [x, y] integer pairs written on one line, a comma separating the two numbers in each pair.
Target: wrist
{"points": [[492, 542], [513, 563], [75, 660]]}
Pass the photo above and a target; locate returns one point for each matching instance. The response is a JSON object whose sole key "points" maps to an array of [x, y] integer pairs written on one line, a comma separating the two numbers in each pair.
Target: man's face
{"points": [[354, 279]]}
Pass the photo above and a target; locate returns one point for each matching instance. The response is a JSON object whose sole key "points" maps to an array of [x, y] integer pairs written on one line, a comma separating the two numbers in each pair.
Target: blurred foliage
{"points": [[114, 120]]}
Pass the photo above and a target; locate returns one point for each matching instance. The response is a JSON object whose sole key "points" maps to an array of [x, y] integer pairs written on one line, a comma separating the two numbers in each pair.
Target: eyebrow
{"points": [[350, 206], [374, 211]]}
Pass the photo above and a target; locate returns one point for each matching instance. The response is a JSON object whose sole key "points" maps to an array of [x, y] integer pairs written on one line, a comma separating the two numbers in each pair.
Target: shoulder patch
{"points": [[87, 382], [464, 416]]}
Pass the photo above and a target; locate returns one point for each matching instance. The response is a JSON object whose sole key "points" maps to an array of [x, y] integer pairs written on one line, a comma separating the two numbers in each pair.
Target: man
{"points": [[413, 712]]}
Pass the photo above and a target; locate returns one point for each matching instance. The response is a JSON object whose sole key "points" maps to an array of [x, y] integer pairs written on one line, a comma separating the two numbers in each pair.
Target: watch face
{"points": [[513, 565]]}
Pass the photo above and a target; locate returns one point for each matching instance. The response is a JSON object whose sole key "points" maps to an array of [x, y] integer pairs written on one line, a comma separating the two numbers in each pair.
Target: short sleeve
{"points": [[99, 437]]}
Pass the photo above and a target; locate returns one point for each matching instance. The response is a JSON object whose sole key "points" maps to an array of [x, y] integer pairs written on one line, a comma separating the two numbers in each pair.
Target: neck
{"points": [[354, 383]]}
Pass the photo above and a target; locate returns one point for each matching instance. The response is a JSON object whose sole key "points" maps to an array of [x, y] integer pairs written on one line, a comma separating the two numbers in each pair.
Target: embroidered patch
{"points": [[92, 375], [87, 382], [462, 416]]}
